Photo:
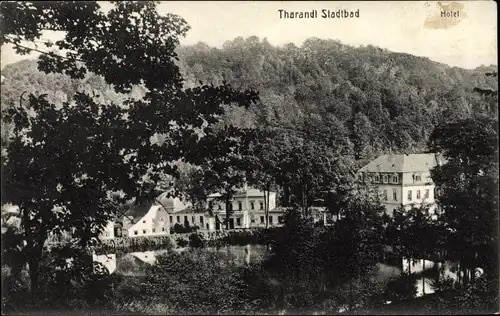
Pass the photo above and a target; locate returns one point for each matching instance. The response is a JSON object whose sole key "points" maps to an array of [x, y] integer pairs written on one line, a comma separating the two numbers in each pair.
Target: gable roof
{"points": [[403, 163], [137, 211]]}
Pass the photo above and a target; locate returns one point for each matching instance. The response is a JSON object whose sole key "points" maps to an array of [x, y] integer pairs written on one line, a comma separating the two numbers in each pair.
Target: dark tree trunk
{"points": [[229, 207], [32, 254], [286, 195], [423, 278], [266, 217], [266, 203]]}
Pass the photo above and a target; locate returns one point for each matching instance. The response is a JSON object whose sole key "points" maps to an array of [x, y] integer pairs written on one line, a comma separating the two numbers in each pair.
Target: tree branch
{"points": [[43, 52]]}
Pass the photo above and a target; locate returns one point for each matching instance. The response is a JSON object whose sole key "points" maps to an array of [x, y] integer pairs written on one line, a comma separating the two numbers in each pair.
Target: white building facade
{"points": [[109, 231], [247, 209], [402, 180]]}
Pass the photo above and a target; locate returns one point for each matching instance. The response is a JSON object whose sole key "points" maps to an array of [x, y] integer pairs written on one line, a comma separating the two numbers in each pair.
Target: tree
{"points": [[62, 179], [467, 186], [224, 165]]}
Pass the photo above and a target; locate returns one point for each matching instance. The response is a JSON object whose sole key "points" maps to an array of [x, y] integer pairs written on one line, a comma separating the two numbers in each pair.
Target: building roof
{"points": [[171, 203], [403, 163], [250, 192], [138, 211], [190, 209]]}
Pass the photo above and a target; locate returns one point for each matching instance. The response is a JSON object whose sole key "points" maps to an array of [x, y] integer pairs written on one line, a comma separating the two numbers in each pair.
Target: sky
{"points": [[413, 27]]}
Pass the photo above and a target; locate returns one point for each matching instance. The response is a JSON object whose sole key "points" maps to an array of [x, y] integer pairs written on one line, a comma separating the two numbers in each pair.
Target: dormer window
{"points": [[395, 178], [386, 178], [417, 177]]}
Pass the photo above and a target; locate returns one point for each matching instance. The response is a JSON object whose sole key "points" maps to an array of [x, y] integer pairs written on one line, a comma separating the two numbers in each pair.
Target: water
{"points": [[135, 263]]}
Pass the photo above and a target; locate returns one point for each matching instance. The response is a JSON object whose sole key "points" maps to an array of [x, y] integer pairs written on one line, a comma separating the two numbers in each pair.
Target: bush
{"points": [[183, 229], [182, 242], [196, 283], [196, 241], [401, 288]]}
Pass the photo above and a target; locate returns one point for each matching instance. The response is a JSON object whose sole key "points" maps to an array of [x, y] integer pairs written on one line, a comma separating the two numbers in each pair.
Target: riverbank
{"points": [[200, 239]]}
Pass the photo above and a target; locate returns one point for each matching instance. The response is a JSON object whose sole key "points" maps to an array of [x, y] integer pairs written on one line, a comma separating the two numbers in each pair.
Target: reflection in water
{"points": [[135, 264], [109, 261]]}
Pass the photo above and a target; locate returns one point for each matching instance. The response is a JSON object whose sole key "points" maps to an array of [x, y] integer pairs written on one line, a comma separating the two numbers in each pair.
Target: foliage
{"points": [[387, 101], [312, 263], [61, 180], [182, 242], [134, 244], [414, 232], [196, 241], [467, 185], [197, 284], [183, 229], [482, 295], [67, 280], [401, 288]]}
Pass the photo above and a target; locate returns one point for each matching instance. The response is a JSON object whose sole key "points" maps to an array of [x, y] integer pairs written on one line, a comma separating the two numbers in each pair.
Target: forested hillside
{"points": [[382, 101]]}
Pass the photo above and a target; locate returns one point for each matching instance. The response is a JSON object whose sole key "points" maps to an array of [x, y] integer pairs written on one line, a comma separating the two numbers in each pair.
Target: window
{"points": [[384, 195], [252, 205], [240, 206], [417, 178], [270, 219], [280, 219], [135, 232], [161, 219], [386, 178], [261, 205], [426, 196], [238, 222], [178, 219], [395, 179], [418, 194], [394, 194], [262, 219], [186, 219], [220, 207], [192, 219], [154, 230], [201, 219], [377, 178], [144, 221], [170, 218], [144, 231], [409, 195], [211, 204], [163, 229]]}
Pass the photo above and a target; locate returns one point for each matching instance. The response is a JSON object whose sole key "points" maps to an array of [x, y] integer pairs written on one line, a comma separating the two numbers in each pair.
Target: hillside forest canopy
{"points": [[85, 133], [383, 101]]}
